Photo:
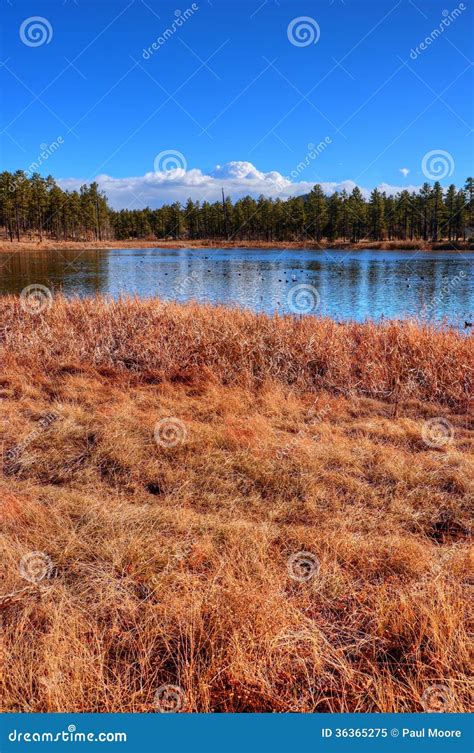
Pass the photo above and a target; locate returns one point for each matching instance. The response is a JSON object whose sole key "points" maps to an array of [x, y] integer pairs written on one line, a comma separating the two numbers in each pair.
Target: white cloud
{"points": [[390, 190], [237, 178], [404, 171]]}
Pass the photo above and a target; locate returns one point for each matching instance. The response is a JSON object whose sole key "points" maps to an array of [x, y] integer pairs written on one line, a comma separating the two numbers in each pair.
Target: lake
{"points": [[435, 285]]}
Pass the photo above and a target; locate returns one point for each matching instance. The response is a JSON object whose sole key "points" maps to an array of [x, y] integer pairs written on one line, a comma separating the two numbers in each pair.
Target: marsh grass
{"points": [[170, 563]]}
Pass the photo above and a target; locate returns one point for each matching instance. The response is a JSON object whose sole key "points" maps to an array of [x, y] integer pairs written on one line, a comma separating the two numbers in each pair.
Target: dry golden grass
{"points": [[169, 564], [50, 244]]}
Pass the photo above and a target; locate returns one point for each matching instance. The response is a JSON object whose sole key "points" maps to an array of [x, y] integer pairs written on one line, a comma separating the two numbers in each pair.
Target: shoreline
{"points": [[52, 245]]}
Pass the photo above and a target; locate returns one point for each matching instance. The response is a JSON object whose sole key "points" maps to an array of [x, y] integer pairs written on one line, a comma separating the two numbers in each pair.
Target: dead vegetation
{"points": [[167, 551], [35, 244]]}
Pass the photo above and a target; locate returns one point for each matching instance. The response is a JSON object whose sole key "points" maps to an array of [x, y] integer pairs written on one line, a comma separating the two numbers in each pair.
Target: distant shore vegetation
{"points": [[34, 207]]}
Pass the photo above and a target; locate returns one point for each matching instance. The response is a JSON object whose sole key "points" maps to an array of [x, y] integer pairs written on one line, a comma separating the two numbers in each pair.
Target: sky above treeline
{"points": [[160, 103]]}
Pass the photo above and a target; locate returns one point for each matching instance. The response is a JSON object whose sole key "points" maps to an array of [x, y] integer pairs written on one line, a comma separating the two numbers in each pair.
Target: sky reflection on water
{"points": [[351, 285]]}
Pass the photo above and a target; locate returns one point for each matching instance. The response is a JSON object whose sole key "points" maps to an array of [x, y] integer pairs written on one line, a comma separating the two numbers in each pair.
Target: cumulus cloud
{"points": [[237, 178], [390, 190], [404, 171]]}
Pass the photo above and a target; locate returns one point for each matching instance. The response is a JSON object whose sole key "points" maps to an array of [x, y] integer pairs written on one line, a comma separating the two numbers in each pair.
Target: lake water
{"points": [[437, 285]]}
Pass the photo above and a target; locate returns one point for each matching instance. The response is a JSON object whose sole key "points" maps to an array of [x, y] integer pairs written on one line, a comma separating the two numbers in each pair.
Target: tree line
{"points": [[36, 207]]}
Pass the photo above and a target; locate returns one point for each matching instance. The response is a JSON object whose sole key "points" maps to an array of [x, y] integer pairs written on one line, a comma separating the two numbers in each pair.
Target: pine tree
{"points": [[437, 211], [450, 211], [376, 215], [334, 216], [38, 207], [356, 215], [316, 213], [469, 188]]}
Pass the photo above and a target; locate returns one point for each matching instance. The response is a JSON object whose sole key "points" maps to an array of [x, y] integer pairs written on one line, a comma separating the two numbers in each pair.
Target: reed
{"points": [[166, 341]]}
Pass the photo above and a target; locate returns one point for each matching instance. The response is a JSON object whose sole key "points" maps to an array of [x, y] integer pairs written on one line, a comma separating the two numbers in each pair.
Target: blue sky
{"points": [[230, 87]]}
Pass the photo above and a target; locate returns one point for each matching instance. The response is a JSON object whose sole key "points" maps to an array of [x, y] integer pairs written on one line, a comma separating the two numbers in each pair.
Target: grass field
{"points": [[263, 514]]}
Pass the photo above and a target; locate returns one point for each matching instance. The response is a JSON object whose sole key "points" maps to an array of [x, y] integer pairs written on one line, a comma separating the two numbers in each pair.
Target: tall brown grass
{"points": [[169, 563], [165, 341]]}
